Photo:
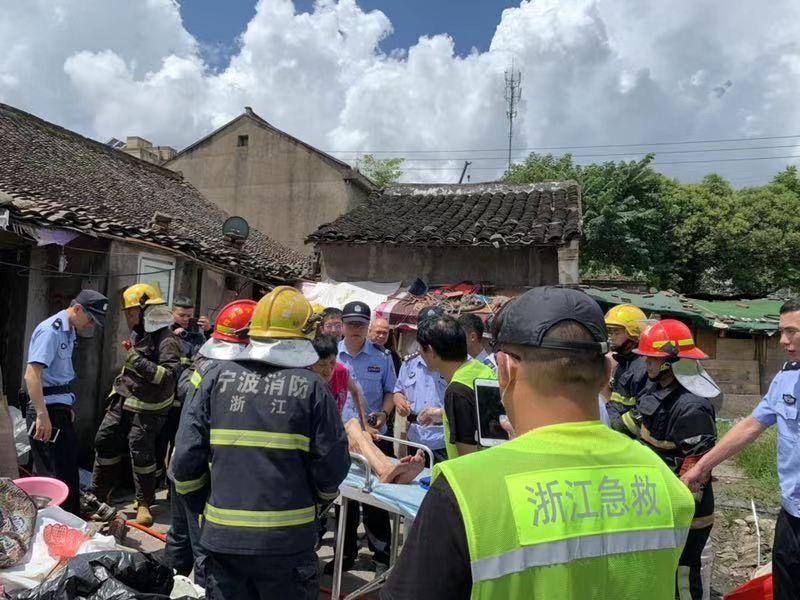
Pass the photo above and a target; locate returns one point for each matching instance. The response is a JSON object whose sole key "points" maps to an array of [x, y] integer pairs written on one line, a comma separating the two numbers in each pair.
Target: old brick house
{"points": [[507, 235], [280, 184]]}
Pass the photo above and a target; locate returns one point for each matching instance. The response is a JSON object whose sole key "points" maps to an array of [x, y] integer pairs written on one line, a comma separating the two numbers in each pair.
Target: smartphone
{"points": [[193, 326], [489, 408], [53, 434]]}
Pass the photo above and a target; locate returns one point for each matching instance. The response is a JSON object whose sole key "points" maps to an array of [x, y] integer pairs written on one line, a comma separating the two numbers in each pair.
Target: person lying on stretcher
{"points": [[361, 442]]}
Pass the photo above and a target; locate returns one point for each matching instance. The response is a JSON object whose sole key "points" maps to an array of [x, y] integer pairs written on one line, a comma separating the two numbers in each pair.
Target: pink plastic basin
{"points": [[46, 487]]}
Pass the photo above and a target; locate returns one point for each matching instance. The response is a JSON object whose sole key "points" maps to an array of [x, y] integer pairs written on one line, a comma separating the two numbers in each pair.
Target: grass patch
{"points": [[759, 462]]}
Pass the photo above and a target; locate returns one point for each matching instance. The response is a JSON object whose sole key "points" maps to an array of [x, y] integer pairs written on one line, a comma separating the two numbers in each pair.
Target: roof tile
{"points": [[485, 214], [59, 178]]}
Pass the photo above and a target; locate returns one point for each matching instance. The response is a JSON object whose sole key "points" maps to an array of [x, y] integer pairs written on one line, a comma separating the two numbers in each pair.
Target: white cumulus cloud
{"points": [[593, 72]]}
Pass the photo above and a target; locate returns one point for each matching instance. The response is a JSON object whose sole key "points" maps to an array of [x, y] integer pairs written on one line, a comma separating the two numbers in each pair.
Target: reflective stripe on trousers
{"points": [[567, 550], [260, 518]]}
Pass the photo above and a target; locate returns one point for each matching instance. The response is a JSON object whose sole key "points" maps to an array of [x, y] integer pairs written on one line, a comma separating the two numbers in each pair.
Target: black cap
{"points": [[95, 305], [526, 319], [356, 312], [430, 312]]}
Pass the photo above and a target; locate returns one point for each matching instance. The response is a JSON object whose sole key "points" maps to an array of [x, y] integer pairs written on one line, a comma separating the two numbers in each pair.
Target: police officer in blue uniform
{"points": [[778, 407], [48, 377], [372, 368], [419, 391]]}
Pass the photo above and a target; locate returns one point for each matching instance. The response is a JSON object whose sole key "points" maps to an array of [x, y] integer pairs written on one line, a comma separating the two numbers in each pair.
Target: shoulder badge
{"points": [[411, 356], [789, 400], [57, 324], [791, 366], [386, 351]]}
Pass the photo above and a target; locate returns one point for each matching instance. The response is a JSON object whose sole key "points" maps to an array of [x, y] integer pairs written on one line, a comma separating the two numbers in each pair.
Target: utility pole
{"points": [[513, 94], [464, 171]]}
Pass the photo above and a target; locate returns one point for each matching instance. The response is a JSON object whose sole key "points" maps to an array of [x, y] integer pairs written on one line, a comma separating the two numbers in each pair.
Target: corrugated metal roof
{"points": [[759, 315]]}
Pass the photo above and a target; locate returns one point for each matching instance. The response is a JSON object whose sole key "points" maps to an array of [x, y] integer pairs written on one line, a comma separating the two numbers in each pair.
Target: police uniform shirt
{"points": [[487, 359], [373, 370], [422, 388], [780, 406], [51, 346], [603, 411]]}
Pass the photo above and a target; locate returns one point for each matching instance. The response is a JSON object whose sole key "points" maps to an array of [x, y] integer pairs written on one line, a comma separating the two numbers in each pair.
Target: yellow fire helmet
{"points": [[628, 316], [280, 333], [317, 308], [142, 294], [283, 313]]}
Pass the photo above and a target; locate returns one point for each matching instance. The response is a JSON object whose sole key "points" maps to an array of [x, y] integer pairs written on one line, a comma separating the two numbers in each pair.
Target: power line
{"points": [[656, 162], [587, 146], [499, 158]]}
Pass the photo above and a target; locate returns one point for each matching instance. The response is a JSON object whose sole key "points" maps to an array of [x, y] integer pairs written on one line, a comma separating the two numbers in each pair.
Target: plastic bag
{"points": [[21, 440], [107, 576], [17, 521]]}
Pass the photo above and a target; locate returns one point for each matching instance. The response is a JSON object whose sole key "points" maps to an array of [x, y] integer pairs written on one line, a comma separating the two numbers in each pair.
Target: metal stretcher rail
{"points": [[378, 582]]}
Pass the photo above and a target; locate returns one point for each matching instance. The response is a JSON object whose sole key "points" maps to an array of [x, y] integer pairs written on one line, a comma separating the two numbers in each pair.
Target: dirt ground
{"points": [[735, 535]]}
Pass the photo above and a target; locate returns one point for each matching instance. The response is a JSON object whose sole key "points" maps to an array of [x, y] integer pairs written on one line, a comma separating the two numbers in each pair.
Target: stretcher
{"points": [[401, 501]]}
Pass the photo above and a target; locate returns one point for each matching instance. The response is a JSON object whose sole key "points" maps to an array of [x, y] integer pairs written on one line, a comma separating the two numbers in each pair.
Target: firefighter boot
{"points": [[143, 516]]}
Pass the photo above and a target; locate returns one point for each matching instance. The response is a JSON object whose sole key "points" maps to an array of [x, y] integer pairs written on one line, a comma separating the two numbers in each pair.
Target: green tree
{"points": [[758, 246], [625, 222], [382, 171], [705, 237], [788, 179]]}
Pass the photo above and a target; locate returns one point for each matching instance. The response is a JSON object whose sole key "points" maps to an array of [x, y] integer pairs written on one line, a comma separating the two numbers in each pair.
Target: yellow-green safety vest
{"points": [[576, 510], [466, 375]]}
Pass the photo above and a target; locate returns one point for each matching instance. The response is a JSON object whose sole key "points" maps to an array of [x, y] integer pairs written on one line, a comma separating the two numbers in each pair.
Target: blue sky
{"points": [[471, 23]]}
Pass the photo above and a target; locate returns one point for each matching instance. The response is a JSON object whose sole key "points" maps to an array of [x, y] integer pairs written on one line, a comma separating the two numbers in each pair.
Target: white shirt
{"points": [[487, 359]]}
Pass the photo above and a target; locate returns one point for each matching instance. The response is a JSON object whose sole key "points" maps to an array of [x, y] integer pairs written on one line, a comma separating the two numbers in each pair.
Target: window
{"points": [[160, 271], [243, 141]]}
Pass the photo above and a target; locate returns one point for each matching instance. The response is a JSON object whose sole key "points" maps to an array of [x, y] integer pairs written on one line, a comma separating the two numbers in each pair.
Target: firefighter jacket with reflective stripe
{"points": [[276, 448], [627, 383], [149, 376], [680, 426], [576, 511]]}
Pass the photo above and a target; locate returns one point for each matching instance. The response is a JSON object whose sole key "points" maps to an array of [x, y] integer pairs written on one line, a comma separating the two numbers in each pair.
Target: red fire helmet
{"points": [[233, 319], [669, 339]]}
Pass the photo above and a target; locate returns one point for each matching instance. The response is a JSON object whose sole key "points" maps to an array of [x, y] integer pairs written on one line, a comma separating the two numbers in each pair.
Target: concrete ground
{"points": [[363, 572]]}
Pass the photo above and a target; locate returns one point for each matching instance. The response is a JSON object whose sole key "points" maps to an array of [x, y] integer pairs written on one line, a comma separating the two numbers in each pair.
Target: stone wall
{"points": [[506, 267]]}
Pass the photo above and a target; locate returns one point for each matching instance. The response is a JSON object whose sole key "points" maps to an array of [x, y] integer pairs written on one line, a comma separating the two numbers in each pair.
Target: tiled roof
{"points": [[58, 178], [483, 214]]}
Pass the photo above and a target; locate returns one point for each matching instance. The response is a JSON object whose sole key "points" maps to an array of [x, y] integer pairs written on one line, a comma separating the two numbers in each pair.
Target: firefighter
{"points": [[228, 341], [625, 323], [267, 434], [141, 396], [678, 423]]}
